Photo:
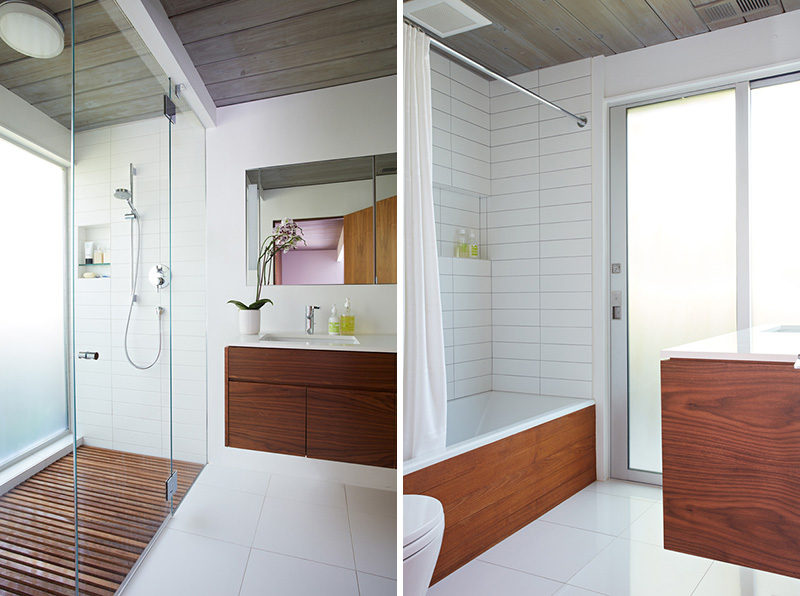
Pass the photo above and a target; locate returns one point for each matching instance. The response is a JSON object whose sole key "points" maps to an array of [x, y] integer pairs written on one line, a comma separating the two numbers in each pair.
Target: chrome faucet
{"points": [[310, 319]]}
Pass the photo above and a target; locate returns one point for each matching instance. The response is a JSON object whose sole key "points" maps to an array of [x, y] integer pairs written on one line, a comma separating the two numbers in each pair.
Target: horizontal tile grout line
{"points": [[539, 206], [463, 137], [539, 240], [537, 88], [488, 163], [536, 103], [538, 223], [488, 130]]}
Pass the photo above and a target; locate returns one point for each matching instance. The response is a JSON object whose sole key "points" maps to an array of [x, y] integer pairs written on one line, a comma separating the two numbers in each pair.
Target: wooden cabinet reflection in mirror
{"points": [[347, 209]]}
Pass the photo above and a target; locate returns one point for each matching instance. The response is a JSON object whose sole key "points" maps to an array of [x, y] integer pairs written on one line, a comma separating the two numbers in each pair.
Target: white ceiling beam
{"points": [[152, 24]]}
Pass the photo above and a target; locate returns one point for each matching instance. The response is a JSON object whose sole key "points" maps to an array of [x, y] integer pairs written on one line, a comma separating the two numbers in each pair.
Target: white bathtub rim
{"points": [[418, 463]]}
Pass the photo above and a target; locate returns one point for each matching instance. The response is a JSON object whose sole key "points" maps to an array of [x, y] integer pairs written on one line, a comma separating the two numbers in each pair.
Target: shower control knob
{"points": [[159, 276]]}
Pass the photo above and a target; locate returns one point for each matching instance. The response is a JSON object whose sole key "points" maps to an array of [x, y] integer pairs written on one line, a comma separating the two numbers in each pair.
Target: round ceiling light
{"points": [[31, 28]]}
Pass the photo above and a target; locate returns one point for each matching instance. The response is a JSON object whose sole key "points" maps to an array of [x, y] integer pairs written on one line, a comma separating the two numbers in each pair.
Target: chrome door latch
{"points": [[616, 305], [89, 355]]}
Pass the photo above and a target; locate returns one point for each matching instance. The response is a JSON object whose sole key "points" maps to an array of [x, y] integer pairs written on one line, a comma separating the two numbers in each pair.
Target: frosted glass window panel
{"points": [[681, 245], [774, 204], [33, 365]]}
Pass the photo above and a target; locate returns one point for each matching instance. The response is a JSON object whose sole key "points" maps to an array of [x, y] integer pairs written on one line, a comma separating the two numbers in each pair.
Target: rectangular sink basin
{"points": [[326, 340], [785, 329]]}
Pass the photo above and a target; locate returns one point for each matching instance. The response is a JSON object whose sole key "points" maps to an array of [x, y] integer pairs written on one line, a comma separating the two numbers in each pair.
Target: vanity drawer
{"points": [[266, 417], [358, 427], [313, 368]]}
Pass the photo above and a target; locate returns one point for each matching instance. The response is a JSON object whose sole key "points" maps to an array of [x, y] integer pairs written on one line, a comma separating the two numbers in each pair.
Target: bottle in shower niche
{"points": [[461, 247], [474, 247]]}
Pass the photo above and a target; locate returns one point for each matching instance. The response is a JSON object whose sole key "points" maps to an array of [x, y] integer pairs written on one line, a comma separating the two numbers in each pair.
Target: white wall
{"points": [[345, 121], [521, 320], [119, 407], [461, 176], [539, 228]]}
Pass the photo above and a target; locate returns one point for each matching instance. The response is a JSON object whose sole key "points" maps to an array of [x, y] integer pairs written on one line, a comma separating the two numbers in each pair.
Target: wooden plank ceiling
{"points": [[253, 49], [116, 78], [529, 34]]}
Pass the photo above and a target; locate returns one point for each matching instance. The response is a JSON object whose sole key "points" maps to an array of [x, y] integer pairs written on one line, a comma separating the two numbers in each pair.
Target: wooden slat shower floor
{"points": [[120, 507]]}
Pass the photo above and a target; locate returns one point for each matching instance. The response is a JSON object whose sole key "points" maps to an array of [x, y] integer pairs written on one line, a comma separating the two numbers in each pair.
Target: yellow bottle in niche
{"points": [[347, 320]]}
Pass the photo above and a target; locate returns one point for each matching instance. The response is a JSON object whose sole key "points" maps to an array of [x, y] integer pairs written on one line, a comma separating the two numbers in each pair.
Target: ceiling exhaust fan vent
{"points": [[723, 13], [444, 17], [753, 5], [719, 12]]}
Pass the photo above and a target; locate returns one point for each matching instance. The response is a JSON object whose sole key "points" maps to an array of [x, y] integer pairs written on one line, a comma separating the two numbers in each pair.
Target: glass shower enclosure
{"points": [[102, 386]]}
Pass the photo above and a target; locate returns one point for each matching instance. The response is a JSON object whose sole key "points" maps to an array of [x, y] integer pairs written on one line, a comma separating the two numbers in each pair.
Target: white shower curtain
{"points": [[425, 385]]}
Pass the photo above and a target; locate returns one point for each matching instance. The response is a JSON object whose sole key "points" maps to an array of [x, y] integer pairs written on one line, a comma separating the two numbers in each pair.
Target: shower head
{"points": [[125, 195]]}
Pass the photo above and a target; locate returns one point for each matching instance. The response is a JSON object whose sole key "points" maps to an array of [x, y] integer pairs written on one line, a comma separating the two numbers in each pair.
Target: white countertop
{"points": [[366, 342], [764, 344]]}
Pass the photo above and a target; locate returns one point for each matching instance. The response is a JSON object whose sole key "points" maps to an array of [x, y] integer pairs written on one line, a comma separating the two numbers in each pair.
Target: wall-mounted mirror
{"points": [[347, 210]]}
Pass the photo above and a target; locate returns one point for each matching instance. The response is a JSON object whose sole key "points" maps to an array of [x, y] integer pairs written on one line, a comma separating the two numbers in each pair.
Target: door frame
{"points": [[617, 246]]}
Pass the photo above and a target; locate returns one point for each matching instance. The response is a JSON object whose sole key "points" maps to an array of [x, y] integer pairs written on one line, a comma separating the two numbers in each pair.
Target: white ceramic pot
{"points": [[249, 322]]}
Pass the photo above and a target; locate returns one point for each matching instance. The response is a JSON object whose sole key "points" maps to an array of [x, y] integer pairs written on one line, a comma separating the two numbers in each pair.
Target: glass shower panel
{"points": [[123, 313], [681, 245], [774, 205], [33, 373]]}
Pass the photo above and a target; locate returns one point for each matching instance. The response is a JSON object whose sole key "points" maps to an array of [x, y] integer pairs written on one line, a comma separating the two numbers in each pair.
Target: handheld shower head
{"points": [[125, 195]]}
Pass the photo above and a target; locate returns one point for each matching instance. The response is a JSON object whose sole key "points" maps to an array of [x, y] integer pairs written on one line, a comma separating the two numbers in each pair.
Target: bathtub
{"points": [[510, 457], [483, 418]]}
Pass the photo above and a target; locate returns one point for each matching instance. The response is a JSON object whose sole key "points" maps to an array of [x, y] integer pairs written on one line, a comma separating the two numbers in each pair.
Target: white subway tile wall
{"points": [[118, 406], [535, 223]]}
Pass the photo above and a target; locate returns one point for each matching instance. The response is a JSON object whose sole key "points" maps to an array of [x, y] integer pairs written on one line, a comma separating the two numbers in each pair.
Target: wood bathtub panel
{"points": [[485, 503], [731, 453]]}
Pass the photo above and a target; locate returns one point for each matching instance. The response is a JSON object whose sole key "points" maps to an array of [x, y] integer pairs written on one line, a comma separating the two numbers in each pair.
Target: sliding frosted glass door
{"points": [[674, 236], [774, 204], [33, 345]]}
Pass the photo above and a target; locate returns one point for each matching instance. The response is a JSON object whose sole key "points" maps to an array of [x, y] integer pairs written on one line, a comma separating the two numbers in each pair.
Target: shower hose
{"points": [[134, 281]]}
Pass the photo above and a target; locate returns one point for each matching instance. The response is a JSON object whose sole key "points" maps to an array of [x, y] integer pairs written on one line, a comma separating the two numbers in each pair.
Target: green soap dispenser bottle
{"points": [[333, 321], [347, 322]]}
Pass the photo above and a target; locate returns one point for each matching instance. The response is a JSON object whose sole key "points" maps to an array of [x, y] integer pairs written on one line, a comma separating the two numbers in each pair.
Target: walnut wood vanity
{"points": [[730, 416], [336, 405]]}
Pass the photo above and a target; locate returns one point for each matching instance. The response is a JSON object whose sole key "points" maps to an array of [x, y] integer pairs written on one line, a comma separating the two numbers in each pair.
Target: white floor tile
{"points": [[221, 513], [598, 512], [305, 530], [628, 568], [732, 580], [182, 563], [575, 591], [371, 500], [374, 543], [373, 585], [306, 490], [478, 578], [553, 551], [627, 489], [251, 481], [649, 527], [270, 574]]}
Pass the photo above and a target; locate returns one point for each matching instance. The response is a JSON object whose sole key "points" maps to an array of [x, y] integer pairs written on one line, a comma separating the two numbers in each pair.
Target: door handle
{"points": [[89, 355]]}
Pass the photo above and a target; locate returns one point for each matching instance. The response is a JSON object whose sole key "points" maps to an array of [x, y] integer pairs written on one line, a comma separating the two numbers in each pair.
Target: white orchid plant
{"points": [[286, 236]]}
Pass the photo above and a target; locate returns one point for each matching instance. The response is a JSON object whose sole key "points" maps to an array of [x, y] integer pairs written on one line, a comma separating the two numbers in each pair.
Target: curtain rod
{"points": [[581, 120]]}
